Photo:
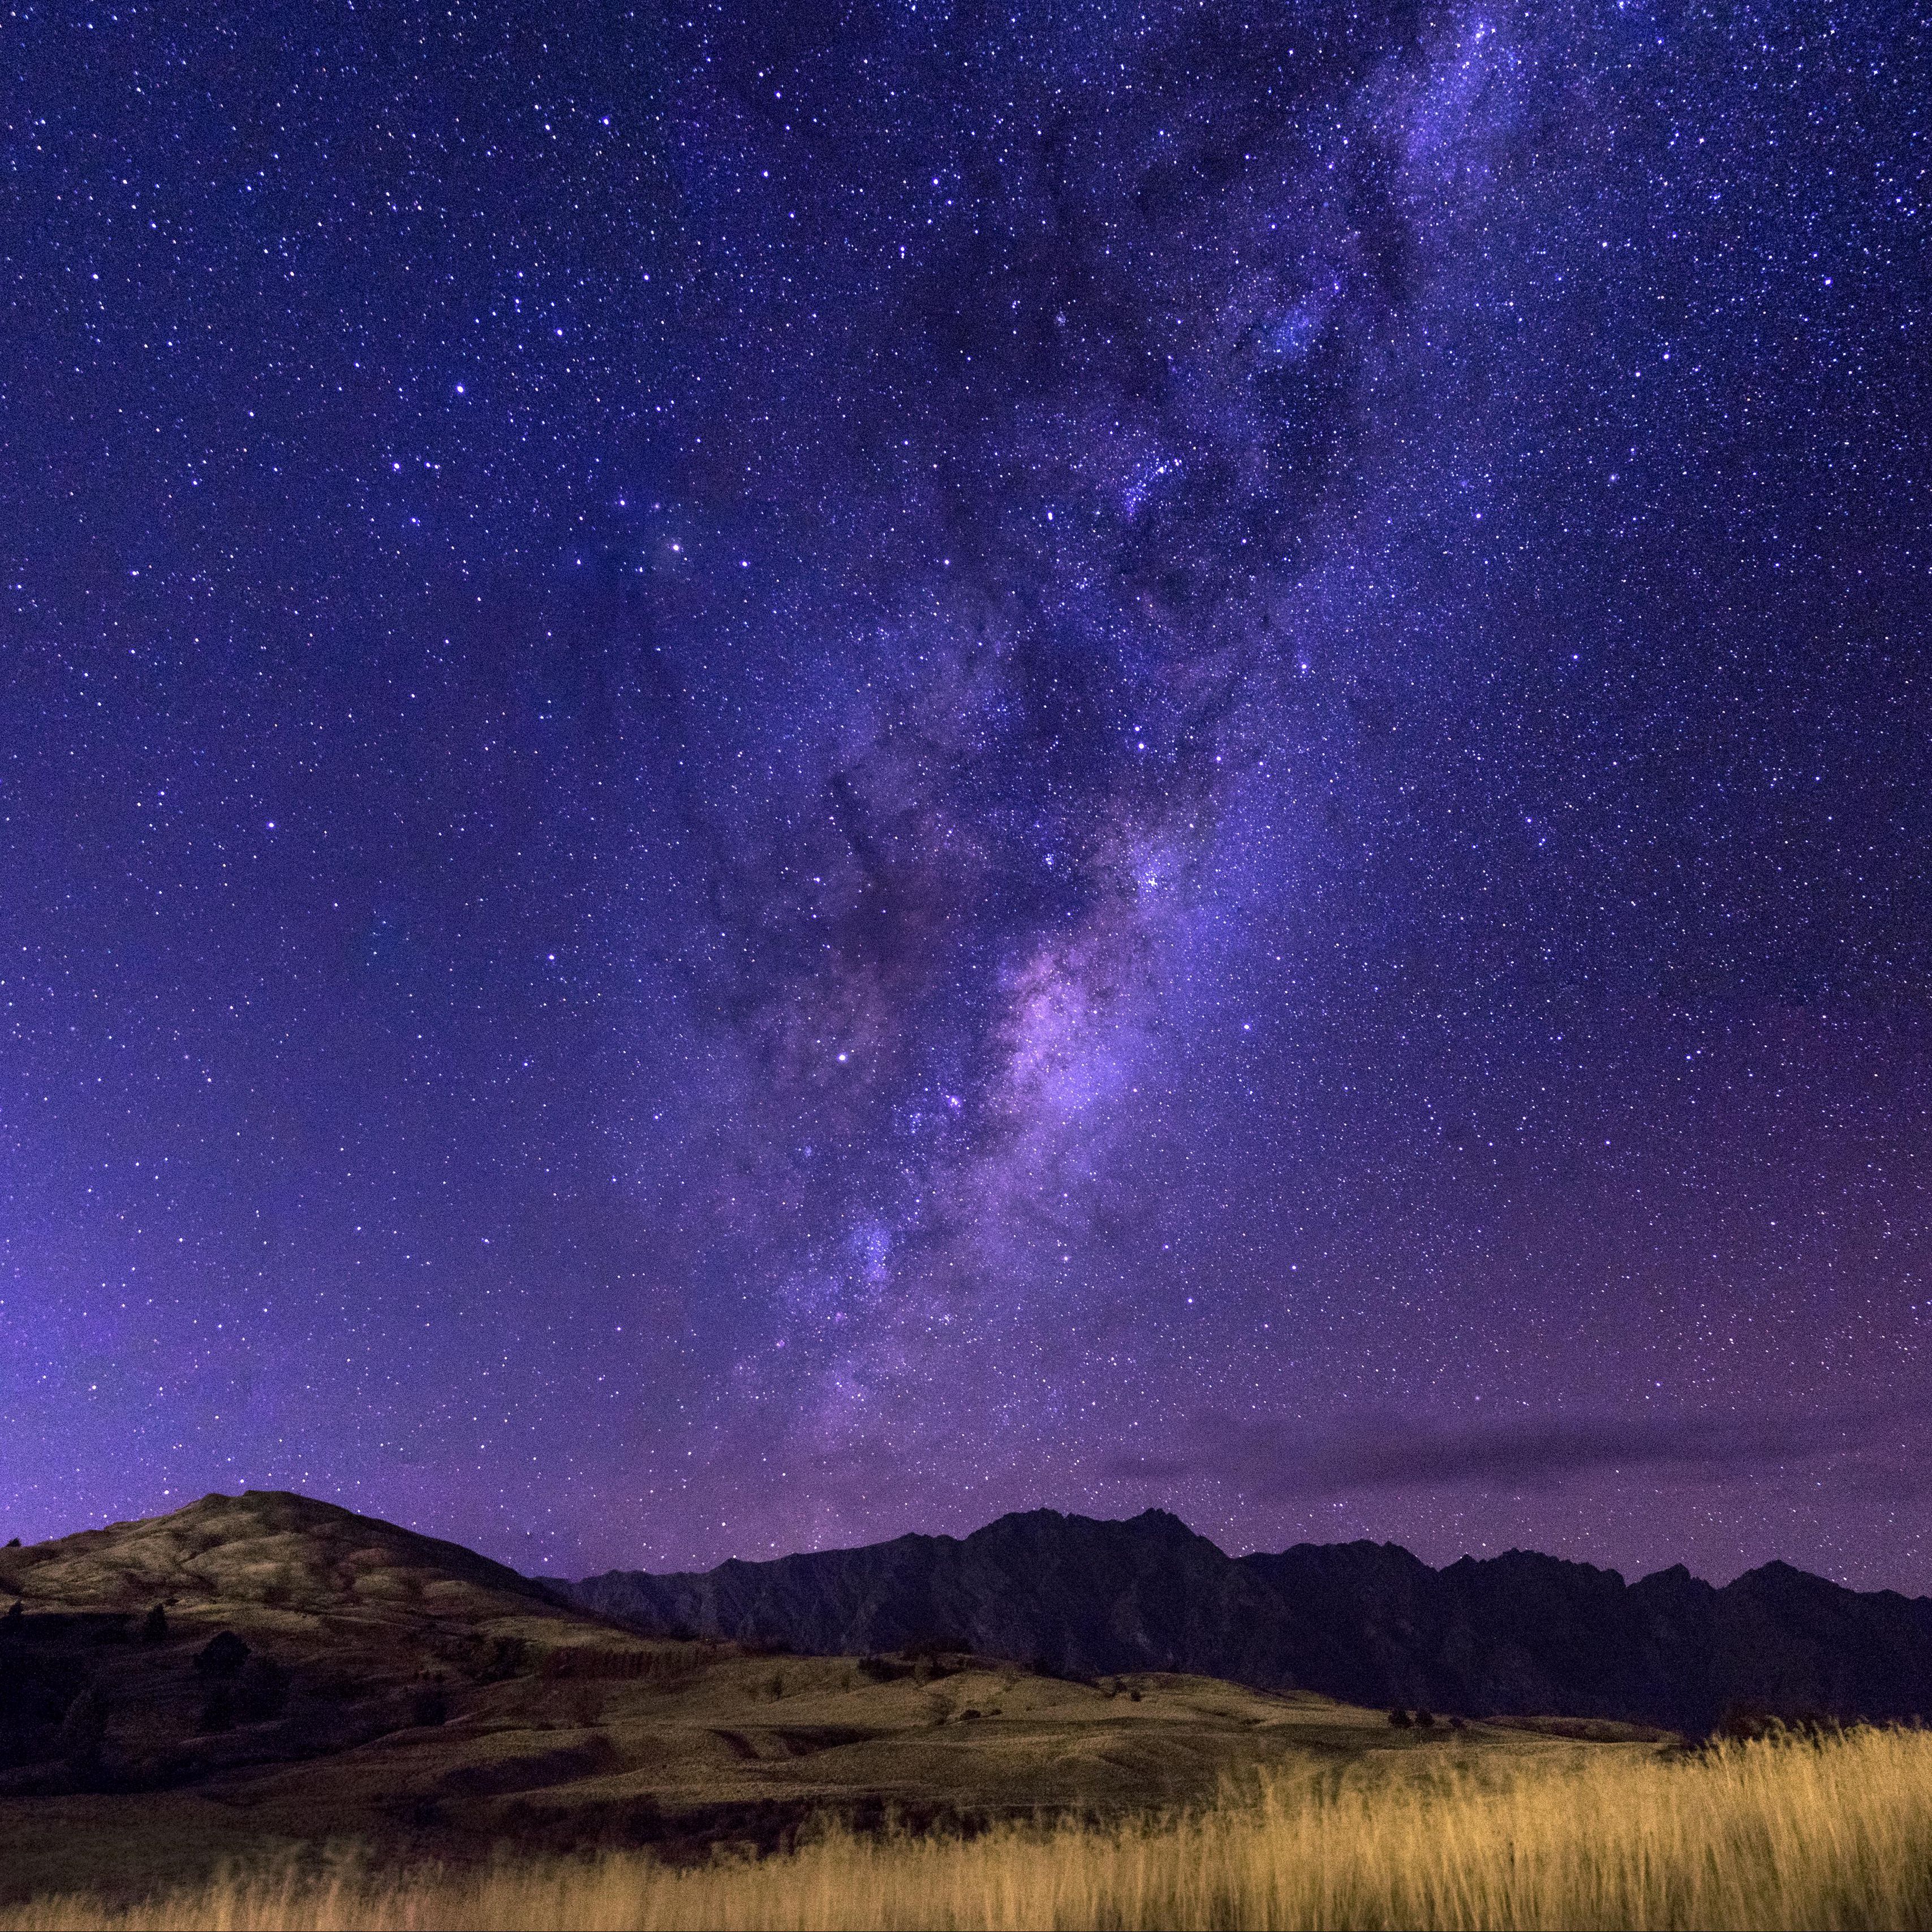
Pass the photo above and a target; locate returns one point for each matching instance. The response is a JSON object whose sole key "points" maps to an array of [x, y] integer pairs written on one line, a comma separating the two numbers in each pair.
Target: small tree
{"points": [[1401, 1720], [223, 1655], [15, 1620], [504, 1656], [83, 1732], [154, 1626], [1745, 1721]]}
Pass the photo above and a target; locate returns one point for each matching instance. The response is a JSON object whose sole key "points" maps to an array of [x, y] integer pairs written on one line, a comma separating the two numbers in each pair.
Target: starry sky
{"points": [[770, 774]]}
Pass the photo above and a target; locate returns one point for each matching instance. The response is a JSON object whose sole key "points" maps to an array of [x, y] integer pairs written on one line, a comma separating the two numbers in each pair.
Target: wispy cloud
{"points": [[1271, 1460]]}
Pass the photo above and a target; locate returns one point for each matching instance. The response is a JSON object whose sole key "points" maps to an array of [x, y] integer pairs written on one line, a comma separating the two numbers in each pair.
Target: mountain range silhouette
{"points": [[1520, 1634]]}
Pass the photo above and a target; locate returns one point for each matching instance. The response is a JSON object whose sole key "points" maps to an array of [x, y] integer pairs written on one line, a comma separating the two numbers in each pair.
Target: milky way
{"points": [[774, 774]]}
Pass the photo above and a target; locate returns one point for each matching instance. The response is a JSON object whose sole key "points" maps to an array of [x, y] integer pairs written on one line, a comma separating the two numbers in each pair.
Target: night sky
{"points": [[770, 773]]}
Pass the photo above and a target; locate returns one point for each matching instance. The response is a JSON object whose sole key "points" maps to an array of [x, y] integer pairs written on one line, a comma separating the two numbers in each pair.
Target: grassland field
{"points": [[1782, 1831]]}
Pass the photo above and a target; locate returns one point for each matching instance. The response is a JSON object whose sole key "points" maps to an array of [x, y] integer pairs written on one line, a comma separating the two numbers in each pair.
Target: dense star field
{"points": [[773, 773]]}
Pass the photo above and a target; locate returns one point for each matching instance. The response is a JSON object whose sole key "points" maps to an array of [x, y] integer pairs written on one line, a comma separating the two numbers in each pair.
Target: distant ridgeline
{"points": [[1365, 1622]]}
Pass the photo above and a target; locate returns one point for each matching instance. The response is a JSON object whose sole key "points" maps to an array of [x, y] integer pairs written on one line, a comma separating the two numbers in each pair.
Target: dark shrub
{"points": [[882, 1670], [429, 1705], [1134, 1695], [934, 1648], [83, 1732], [155, 1626], [13, 1543], [1424, 1721], [223, 1655], [1744, 1721], [15, 1620], [505, 1657], [1401, 1720]]}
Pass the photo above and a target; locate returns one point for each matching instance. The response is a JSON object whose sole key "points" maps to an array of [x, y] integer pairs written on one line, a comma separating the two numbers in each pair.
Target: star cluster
{"points": [[774, 773]]}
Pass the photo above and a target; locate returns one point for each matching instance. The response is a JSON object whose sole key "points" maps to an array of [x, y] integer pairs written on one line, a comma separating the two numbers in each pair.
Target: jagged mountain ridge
{"points": [[1366, 1622]]}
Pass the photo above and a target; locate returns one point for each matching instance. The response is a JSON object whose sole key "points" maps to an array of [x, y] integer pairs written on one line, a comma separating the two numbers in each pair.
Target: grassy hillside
{"points": [[1777, 1833]]}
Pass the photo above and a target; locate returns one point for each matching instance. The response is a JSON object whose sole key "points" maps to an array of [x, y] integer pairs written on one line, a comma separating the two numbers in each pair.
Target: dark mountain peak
{"points": [[1778, 1579], [1049, 1536], [1523, 1563], [1023, 1522], [1362, 1546], [1360, 1557], [1673, 1592], [1779, 1575], [1674, 1578], [1055, 1522], [1167, 1523]]}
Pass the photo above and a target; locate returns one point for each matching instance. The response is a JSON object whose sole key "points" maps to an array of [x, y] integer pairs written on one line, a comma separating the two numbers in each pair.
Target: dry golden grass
{"points": [[1782, 1832]]}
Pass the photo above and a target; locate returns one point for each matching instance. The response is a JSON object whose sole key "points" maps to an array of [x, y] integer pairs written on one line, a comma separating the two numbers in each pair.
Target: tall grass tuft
{"points": [[1781, 1831]]}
